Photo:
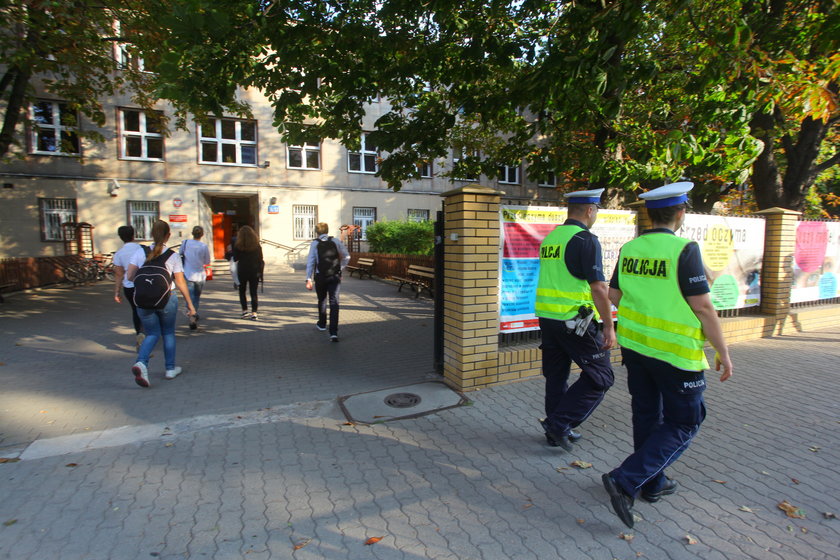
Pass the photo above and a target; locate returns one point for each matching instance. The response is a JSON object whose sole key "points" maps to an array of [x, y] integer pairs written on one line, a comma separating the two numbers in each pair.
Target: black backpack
{"points": [[153, 282], [329, 261]]}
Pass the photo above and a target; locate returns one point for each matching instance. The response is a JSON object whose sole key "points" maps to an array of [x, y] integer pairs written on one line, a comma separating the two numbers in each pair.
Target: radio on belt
{"points": [[581, 321]]}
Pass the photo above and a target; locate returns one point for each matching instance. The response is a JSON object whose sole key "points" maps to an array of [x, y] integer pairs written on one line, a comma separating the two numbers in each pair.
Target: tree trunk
{"points": [[14, 107]]}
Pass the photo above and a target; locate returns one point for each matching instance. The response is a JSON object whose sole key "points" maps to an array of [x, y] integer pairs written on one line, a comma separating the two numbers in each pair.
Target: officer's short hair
{"points": [[665, 215]]}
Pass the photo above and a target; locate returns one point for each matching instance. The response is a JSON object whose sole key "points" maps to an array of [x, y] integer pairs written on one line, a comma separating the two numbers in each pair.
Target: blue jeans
{"points": [[195, 289], [159, 323]]}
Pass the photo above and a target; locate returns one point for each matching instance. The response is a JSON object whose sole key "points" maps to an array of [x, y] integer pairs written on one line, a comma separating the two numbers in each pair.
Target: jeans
{"points": [[328, 287], [159, 323], [249, 284], [195, 289]]}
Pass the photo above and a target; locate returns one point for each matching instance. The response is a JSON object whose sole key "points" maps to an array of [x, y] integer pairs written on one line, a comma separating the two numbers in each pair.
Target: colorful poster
{"points": [[522, 230], [732, 249], [816, 262]]}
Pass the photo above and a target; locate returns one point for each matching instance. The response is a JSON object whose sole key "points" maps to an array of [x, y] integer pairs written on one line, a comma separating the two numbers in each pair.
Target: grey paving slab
{"points": [[226, 480]]}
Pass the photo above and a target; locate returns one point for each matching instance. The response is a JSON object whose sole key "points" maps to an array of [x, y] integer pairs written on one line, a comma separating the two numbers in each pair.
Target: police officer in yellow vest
{"points": [[571, 295], [665, 316]]}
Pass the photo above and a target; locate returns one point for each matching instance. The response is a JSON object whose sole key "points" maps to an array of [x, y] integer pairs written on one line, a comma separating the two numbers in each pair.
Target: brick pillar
{"points": [[642, 218], [471, 287], [777, 268]]}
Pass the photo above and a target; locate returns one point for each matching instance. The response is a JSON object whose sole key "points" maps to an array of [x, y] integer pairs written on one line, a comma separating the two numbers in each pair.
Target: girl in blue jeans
{"points": [[160, 322]]}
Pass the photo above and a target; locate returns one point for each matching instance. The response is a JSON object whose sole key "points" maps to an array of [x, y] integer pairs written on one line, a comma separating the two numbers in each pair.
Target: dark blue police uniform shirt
{"points": [[583, 254], [690, 272]]}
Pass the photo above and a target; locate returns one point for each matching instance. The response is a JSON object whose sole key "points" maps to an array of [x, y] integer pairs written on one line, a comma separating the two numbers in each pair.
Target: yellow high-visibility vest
{"points": [[559, 293], [654, 319]]}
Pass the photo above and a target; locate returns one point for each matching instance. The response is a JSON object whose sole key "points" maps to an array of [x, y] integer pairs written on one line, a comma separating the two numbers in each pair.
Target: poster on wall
{"points": [[522, 230], [816, 262], [732, 249]]}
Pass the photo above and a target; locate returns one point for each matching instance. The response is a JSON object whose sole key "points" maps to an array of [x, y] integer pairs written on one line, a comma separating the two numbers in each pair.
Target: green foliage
{"points": [[402, 237]]}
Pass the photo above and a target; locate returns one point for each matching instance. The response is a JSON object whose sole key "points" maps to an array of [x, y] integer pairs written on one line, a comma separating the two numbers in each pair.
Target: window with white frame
{"points": [[418, 215], [54, 212], [457, 157], [363, 217], [54, 128], [509, 174], [142, 214], [365, 160], [307, 156], [548, 180], [305, 216], [425, 169], [228, 142], [124, 56], [141, 136]]}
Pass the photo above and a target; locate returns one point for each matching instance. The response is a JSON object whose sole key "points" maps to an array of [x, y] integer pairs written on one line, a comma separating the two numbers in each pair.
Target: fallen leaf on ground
{"points": [[804, 530], [581, 464], [626, 536], [560, 469], [526, 506], [10, 522], [814, 448], [719, 481], [373, 540], [791, 510], [348, 424], [794, 480], [72, 465], [690, 540], [2, 363], [170, 444], [42, 411], [302, 543], [580, 521], [9, 459], [829, 515], [745, 508]]}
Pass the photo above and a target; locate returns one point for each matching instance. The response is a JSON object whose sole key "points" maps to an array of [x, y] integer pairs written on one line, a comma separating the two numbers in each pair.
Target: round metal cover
{"points": [[402, 400]]}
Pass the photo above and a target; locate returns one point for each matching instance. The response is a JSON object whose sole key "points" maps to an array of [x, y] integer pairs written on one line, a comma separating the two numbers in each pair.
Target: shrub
{"points": [[402, 237]]}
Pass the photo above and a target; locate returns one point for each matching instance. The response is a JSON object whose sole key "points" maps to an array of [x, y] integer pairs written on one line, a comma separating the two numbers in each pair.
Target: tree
{"points": [[620, 94], [67, 49]]}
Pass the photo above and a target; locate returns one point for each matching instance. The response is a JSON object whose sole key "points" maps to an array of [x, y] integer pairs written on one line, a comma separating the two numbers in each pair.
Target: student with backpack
{"points": [[156, 272], [327, 258]]}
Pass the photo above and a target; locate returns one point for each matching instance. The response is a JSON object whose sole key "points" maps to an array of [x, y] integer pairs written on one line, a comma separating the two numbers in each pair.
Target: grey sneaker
{"points": [[173, 373], [141, 374], [319, 327], [333, 338]]}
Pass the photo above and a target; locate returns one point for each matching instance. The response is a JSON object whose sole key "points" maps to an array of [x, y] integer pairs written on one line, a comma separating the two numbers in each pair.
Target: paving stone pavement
{"points": [[247, 455]]}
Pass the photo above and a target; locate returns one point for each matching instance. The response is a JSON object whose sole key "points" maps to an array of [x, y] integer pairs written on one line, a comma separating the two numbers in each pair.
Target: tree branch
{"points": [[830, 162]]}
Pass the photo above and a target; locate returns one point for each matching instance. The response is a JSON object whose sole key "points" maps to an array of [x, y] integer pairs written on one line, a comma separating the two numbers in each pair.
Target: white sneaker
{"points": [[173, 373], [141, 374]]}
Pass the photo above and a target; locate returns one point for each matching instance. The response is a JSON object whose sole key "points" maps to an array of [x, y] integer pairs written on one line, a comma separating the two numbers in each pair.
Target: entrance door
{"points": [[222, 225]]}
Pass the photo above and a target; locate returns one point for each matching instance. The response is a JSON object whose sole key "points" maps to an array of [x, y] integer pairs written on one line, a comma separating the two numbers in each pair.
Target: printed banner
{"points": [[523, 229], [732, 249], [816, 262]]}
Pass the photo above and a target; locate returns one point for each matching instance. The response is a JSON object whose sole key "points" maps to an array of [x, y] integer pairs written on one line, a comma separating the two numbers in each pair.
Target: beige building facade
{"points": [[227, 173]]}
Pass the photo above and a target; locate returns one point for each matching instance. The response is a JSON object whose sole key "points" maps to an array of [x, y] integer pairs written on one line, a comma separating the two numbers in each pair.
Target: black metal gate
{"points": [[439, 292]]}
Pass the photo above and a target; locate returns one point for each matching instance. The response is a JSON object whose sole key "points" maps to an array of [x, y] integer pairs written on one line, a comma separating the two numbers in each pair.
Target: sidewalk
{"points": [[254, 458]]}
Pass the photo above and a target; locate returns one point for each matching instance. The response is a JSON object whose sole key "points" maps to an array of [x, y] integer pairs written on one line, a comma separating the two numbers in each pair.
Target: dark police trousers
{"points": [[668, 409], [566, 407], [328, 286]]}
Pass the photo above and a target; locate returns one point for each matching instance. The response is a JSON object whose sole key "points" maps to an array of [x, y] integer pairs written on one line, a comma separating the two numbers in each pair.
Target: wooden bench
{"points": [[5, 286], [419, 278], [363, 266]]}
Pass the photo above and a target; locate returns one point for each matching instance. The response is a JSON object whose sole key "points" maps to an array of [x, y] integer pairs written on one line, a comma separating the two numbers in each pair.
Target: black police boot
{"points": [[622, 503], [667, 489], [556, 440], [574, 436]]}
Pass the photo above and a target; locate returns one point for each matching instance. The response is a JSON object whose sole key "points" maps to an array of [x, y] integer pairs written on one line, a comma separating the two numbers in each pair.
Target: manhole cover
{"points": [[402, 400]]}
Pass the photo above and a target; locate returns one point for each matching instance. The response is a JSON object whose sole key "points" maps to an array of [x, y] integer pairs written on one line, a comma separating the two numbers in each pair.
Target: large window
{"points": [[54, 129], [228, 142], [54, 212], [305, 217], [418, 215], [365, 160], [307, 156], [124, 55], [363, 217], [509, 174], [548, 180], [459, 155], [141, 136], [141, 215]]}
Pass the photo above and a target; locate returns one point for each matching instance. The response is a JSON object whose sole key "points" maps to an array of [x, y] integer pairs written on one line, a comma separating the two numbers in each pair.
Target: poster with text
{"points": [[523, 229], [732, 249], [816, 262]]}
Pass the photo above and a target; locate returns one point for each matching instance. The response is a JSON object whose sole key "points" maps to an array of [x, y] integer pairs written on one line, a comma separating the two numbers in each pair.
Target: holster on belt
{"points": [[580, 322]]}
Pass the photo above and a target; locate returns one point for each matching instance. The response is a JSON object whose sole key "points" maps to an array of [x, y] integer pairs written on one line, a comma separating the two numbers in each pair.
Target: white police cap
{"points": [[584, 197], [668, 195]]}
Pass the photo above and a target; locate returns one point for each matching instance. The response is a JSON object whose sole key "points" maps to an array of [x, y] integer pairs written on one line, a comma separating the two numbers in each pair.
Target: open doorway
{"points": [[229, 212]]}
